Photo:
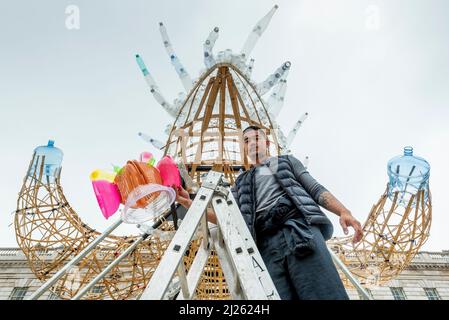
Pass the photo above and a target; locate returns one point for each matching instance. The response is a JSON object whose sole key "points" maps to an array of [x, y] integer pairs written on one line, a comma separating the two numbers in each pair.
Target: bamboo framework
{"points": [[212, 285], [393, 235], [207, 132]]}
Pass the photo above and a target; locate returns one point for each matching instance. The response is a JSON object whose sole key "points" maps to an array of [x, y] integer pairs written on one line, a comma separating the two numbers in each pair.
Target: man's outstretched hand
{"points": [[182, 197], [347, 220]]}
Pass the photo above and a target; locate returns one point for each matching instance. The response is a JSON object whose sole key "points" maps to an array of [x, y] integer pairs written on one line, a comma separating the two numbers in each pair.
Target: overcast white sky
{"points": [[373, 76]]}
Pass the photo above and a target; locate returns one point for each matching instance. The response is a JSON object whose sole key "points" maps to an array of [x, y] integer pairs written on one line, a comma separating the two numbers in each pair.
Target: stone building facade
{"points": [[426, 278]]}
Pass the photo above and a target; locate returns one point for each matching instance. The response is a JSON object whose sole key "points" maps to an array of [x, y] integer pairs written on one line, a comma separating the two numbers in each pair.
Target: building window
{"points": [[18, 293], [432, 294], [398, 293]]}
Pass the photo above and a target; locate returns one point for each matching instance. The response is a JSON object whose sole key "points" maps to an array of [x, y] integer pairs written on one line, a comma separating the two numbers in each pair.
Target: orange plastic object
{"points": [[134, 174]]}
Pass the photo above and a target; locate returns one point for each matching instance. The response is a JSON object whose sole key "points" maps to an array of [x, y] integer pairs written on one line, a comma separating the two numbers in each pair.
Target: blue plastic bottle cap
{"points": [[51, 143], [408, 151]]}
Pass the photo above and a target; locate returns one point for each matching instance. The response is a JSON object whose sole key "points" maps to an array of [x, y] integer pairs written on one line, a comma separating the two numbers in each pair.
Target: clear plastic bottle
{"points": [[52, 161], [407, 175]]}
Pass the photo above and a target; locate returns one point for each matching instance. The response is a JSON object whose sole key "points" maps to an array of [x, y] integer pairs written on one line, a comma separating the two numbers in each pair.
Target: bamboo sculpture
{"points": [[397, 226], [206, 134]]}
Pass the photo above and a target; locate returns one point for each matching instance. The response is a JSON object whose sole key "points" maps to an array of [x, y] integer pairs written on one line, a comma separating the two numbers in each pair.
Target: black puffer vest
{"points": [[244, 193]]}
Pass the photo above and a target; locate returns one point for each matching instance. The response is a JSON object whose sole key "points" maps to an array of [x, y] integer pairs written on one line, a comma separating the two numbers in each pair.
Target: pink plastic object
{"points": [[169, 172], [108, 197], [145, 156]]}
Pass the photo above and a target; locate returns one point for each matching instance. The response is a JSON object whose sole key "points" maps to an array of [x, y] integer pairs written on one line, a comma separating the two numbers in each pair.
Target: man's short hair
{"points": [[255, 128]]}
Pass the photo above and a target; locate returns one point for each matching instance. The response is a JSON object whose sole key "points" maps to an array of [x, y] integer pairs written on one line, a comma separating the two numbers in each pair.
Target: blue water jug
{"points": [[407, 175], [52, 158]]}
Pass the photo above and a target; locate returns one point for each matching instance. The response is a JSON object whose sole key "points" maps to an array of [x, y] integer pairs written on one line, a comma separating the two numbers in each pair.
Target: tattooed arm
{"points": [[329, 202], [324, 198]]}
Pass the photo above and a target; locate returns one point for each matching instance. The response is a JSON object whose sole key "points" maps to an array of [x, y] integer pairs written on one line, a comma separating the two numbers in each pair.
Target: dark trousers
{"points": [[313, 277]]}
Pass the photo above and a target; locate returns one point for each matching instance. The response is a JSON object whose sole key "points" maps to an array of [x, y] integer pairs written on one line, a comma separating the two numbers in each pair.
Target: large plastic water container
{"points": [[52, 158], [407, 175]]}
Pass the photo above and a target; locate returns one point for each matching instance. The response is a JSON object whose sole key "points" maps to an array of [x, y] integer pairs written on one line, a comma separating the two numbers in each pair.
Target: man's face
{"points": [[256, 144]]}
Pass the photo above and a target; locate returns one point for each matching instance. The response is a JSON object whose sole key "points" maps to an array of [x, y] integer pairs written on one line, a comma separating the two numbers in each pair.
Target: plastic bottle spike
{"points": [[141, 64]]}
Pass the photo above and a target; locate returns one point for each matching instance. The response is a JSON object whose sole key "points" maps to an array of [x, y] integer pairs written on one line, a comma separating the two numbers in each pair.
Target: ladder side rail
{"points": [[350, 276], [257, 260]]}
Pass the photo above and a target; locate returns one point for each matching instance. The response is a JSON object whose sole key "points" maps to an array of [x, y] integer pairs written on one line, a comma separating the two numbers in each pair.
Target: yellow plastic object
{"points": [[102, 175]]}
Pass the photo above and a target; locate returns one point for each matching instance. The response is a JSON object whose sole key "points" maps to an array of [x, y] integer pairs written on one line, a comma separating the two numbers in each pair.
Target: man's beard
{"points": [[257, 156]]}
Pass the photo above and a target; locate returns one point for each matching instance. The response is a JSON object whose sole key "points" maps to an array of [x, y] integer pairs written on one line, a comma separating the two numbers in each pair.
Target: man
{"points": [[279, 201]]}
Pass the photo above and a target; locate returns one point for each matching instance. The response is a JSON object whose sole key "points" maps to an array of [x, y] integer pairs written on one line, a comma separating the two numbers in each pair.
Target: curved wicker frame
{"points": [[393, 235]]}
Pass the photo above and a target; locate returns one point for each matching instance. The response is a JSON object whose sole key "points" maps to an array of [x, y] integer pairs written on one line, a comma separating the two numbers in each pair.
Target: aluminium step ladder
{"points": [[243, 268]]}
